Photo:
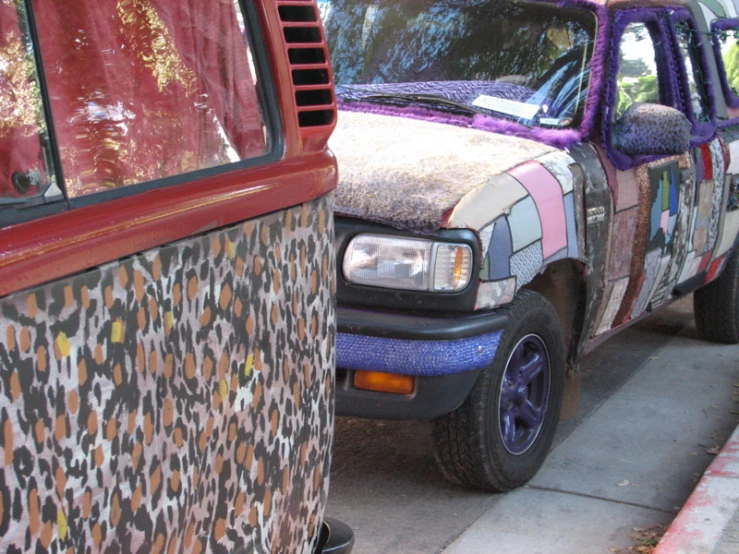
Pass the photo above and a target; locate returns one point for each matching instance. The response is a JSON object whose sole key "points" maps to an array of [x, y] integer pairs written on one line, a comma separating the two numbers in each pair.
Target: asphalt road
{"points": [[384, 480]]}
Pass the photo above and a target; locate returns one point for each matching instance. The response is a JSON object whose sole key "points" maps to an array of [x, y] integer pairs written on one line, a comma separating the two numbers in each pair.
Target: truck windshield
{"points": [[524, 61]]}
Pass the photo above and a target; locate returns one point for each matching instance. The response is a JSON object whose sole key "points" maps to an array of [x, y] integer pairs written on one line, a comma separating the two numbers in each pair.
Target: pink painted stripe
{"points": [[702, 521], [547, 194], [665, 221]]}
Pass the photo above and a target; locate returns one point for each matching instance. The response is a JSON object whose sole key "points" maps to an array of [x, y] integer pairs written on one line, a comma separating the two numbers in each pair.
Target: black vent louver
{"points": [[309, 67]]}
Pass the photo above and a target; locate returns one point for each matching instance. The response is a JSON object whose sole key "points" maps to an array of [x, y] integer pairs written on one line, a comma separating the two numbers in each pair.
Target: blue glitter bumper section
{"points": [[421, 358]]}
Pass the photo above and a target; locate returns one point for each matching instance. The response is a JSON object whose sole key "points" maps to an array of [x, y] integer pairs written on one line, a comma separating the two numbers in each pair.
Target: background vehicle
{"points": [[166, 275], [508, 204]]}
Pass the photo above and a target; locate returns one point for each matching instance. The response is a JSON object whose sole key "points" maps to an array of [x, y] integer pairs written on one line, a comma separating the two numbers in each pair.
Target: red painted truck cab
{"points": [[167, 274]]}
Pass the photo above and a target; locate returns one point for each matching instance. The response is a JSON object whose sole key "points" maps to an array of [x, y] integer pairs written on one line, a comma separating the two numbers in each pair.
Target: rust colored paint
{"points": [[638, 258], [639, 248]]}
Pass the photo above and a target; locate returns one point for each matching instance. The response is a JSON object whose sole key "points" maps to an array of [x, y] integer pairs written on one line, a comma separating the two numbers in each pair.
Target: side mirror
{"points": [[652, 130]]}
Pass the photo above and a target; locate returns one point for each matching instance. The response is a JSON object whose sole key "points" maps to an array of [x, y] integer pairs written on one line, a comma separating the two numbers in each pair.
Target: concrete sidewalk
{"points": [[709, 521], [630, 466]]}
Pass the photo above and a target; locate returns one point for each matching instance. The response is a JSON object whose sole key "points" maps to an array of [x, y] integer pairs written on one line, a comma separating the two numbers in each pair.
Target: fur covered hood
{"points": [[408, 173]]}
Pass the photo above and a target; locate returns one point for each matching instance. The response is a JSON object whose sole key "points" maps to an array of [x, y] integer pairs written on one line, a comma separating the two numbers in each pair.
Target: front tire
{"points": [[501, 434], [716, 305]]}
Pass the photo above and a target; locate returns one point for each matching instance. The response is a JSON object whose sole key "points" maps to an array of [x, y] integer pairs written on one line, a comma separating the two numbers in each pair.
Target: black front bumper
{"points": [[432, 397], [444, 354]]}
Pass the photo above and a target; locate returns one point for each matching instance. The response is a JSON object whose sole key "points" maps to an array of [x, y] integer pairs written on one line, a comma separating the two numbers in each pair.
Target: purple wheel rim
{"points": [[524, 394]]}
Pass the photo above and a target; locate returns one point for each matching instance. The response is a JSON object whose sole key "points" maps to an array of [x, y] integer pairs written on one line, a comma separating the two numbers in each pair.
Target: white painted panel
{"points": [[485, 235], [484, 204], [558, 165], [731, 229], [734, 162], [614, 303]]}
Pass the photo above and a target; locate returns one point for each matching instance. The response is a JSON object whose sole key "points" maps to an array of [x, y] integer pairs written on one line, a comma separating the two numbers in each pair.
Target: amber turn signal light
{"points": [[384, 382]]}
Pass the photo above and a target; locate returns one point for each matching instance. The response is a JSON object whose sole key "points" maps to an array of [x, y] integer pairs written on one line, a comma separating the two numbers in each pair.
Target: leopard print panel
{"points": [[178, 401]]}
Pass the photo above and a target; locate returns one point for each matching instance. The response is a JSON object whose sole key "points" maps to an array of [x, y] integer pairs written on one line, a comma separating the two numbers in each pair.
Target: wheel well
{"points": [[562, 284]]}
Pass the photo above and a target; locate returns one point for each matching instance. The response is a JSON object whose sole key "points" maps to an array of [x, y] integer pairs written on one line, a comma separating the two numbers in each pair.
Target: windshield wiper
{"points": [[428, 99]]}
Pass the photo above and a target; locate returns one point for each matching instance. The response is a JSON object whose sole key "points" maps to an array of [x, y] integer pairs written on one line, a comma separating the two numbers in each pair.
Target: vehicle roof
{"points": [[721, 8], [617, 4]]}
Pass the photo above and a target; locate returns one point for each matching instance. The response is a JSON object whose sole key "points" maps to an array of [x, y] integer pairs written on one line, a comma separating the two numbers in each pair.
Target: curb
{"points": [[712, 506]]}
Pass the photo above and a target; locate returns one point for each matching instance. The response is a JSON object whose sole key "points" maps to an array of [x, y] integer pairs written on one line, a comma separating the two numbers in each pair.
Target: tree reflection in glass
{"points": [[729, 44], [688, 48], [147, 89], [25, 168], [524, 61], [637, 74]]}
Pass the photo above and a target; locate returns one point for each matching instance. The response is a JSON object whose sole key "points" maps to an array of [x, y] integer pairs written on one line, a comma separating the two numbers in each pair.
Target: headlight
{"points": [[412, 264]]}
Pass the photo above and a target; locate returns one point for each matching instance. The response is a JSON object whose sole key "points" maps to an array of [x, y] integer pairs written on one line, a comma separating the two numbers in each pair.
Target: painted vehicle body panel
{"points": [[175, 395], [632, 232], [167, 347]]}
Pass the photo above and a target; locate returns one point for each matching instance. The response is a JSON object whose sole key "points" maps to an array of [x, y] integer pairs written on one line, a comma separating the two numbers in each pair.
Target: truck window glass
{"points": [[520, 61], [637, 73], [689, 52], [25, 169], [146, 89], [727, 43]]}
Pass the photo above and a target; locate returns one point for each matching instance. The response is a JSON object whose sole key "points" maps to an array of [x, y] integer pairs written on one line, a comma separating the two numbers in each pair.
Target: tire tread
{"points": [[461, 454], [716, 305]]}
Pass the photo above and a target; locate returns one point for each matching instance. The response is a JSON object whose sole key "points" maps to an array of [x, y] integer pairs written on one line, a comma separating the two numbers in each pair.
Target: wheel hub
{"points": [[524, 394]]}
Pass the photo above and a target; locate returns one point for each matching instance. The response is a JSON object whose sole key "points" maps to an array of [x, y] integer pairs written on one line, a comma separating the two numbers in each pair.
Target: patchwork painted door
{"points": [[709, 155], [666, 209]]}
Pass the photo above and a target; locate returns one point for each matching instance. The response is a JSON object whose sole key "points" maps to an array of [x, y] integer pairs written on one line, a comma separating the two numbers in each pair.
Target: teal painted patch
{"points": [[715, 6]]}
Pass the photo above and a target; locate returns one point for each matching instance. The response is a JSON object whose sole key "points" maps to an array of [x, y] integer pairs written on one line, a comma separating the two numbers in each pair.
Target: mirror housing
{"points": [[651, 130]]}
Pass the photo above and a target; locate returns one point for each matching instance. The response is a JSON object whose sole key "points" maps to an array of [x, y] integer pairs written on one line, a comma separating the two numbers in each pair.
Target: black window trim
{"points": [[38, 207]]}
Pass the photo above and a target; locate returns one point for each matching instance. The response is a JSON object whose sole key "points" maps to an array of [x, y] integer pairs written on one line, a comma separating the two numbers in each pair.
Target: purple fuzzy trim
{"points": [[719, 25], [723, 24], [597, 62], [670, 88], [558, 138], [434, 116], [622, 19], [597, 65], [703, 131], [674, 91]]}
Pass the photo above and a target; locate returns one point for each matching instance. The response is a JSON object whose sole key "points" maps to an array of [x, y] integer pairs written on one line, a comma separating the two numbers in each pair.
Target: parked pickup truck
{"points": [[520, 180], [167, 277]]}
